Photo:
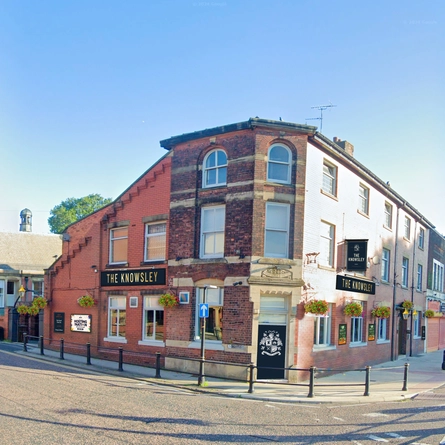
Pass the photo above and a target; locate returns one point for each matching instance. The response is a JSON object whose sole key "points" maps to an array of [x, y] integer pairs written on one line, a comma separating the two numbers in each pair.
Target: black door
{"points": [[271, 351]]}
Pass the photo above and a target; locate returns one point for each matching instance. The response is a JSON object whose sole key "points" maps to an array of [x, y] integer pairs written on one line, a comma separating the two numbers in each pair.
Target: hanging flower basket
{"points": [[22, 309], [316, 307], [168, 300], [33, 310], [86, 301], [381, 312], [353, 309], [408, 305], [429, 313], [39, 302]]}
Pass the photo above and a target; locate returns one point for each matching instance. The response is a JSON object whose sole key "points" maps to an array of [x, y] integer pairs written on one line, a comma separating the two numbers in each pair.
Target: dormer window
{"points": [[215, 169], [278, 165]]}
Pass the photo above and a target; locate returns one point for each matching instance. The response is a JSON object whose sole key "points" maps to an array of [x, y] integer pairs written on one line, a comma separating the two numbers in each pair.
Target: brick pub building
{"points": [[255, 219]]}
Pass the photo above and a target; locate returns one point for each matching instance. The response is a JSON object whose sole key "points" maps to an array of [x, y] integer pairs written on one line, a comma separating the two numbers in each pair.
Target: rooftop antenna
{"points": [[321, 108]]}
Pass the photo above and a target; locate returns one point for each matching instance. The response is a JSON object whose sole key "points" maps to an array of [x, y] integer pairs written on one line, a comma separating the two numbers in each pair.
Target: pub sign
{"points": [[357, 255], [351, 284], [139, 277]]}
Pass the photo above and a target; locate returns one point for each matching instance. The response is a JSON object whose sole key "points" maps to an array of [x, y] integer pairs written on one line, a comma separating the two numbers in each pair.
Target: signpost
{"points": [[203, 315]]}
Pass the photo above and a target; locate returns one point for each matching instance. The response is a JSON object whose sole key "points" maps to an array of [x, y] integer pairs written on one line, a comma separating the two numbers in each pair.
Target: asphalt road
{"points": [[46, 403]]}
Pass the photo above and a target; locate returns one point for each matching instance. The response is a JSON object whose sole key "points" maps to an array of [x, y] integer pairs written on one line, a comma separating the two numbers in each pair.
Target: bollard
{"points": [[367, 380], [121, 358], [25, 342], [311, 381], [251, 369], [443, 361], [405, 378], [41, 346], [158, 365], [88, 354], [61, 349]]}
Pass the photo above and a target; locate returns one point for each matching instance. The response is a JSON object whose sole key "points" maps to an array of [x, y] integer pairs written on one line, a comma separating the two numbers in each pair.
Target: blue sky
{"points": [[89, 88]]}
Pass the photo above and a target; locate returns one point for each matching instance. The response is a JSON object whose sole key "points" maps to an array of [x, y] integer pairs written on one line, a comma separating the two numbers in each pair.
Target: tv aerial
{"points": [[321, 108]]}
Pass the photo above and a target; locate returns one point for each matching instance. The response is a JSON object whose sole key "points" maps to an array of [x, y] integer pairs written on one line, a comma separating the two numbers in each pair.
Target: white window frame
{"points": [[357, 324], [155, 237], [323, 329], [116, 303], [271, 163], [363, 192], [327, 244], [275, 226], [151, 303], [417, 326], [438, 274], [219, 169], [419, 277], [2, 293], [38, 289], [329, 184], [213, 221], [405, 271], [388, 215], [421, 238], [386, 259], [118, 239], [382, 329], [215, 300], [407, 228]]}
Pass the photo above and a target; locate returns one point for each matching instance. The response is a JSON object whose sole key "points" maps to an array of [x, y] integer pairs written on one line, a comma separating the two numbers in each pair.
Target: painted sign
{"points": [[357, 255], [81, 323], [271, 351], [355, 285], [140, 277]]}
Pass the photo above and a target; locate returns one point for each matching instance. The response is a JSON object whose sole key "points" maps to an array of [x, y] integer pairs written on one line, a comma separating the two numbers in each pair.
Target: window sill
{"points": [[329, 195], [153, 262], [382, 342], [387, 227], [116, 339], [319, 348], [366, 215], [330, 268], [358, 345], [209, 260], [406, 239], [115, 265], [214, 345], [151, 343]]}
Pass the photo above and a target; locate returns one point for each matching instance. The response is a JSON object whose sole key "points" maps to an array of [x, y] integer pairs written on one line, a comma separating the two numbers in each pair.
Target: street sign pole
{"points": [[203, 313]]}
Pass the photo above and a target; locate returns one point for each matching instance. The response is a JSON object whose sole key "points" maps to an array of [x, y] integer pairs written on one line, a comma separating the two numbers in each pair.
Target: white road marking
{"points": [[339, 418], [376, 415], [377, 438], [395, 435]]}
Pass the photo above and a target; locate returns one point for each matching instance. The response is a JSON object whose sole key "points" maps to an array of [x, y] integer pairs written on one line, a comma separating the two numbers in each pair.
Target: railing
{"points": [[156, 360]]}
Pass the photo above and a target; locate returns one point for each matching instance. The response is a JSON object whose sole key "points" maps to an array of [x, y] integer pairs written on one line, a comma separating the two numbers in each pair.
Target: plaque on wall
{"points": [[342, 334], [59, 322], [371, 332], [81, 323]]}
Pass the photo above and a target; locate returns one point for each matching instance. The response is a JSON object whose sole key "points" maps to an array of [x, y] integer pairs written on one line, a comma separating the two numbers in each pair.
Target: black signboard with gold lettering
{"points": [[141, 277], [59, 322], [357, 255], [355, 285]]}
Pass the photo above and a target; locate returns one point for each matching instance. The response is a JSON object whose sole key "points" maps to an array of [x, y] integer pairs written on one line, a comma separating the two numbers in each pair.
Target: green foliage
{"points": [[408, 305], [353, 309], [168, 300], [317, 307], [429, 313], [37, 304], [86, 301], [73, 209], [381, 312]]}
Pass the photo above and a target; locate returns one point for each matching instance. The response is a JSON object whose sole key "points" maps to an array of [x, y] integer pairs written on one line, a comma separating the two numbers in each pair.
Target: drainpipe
{"points": [[394, 289], [412, 291]]}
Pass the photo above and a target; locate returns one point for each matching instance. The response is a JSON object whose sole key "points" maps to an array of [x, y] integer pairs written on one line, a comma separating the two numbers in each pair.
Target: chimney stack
{"points": [[347, 146]]}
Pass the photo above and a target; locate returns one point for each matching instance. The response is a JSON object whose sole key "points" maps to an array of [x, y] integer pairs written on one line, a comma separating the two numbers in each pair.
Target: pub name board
{"points": [[357, 255], [142, 277], [355, 285]]}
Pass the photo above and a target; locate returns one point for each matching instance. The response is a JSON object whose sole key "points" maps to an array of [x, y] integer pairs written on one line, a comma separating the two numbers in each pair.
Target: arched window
{"points": [[278, 166], [215, 169]]}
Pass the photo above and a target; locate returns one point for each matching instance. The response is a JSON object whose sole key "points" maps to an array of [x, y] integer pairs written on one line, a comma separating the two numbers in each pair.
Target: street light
{"points": [[201, 378]]}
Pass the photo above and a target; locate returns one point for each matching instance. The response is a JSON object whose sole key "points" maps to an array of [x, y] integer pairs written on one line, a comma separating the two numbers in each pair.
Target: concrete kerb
{"points": [[425, 374]]}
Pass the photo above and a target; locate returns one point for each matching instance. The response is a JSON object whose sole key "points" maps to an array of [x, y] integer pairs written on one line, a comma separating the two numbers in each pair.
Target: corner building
{"points": [[261, 216]]}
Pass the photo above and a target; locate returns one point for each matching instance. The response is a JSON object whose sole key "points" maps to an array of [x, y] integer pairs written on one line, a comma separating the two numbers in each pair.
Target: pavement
{"points": [[386, 380]]}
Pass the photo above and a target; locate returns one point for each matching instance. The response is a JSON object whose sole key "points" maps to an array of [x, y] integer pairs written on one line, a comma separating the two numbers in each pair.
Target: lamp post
{"points": [[201, 378]]}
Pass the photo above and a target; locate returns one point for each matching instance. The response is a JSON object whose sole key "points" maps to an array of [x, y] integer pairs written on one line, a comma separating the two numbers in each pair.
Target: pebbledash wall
{"points": [[258, 217]]}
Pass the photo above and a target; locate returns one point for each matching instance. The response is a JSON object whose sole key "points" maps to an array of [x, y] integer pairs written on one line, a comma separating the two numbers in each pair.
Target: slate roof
{"points": [[28, 251]]}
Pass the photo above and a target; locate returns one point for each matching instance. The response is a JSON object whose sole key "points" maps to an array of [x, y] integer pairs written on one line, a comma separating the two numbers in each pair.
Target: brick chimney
{"points": [[347, 146]]}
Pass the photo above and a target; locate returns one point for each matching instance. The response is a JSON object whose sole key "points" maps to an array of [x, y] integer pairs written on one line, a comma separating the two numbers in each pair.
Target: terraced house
{"points": [[296, 252]]}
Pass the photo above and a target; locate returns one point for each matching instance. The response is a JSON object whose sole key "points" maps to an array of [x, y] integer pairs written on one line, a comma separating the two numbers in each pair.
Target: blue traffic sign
{"points": [[203, 310]]}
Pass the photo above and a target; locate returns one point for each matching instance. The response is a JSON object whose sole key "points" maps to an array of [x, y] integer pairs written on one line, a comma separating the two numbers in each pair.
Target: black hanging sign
{"points": [[59, 322], [357, 255], [355, 285], [140, 277]]}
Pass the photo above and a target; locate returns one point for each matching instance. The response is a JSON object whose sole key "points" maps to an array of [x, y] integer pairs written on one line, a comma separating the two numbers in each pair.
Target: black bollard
{"points": [[443, 361]]}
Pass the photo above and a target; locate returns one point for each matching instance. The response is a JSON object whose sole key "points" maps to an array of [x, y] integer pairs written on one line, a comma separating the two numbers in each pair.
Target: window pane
{"points": [[222, 175], [119, 252], [277, 217], [279, 154], [222, 158], [278, 172], [211, 160], [211, 176], [276, 242]]}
